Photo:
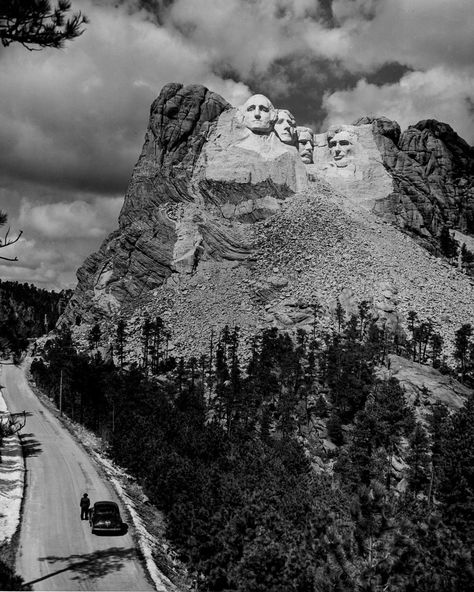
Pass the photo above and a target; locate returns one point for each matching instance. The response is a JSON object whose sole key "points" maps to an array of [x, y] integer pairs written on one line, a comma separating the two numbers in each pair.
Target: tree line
{"points": [[26, 312]]}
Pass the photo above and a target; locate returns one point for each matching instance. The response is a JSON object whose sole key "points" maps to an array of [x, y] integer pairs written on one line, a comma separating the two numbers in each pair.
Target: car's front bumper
{"points": [[107, 528]]}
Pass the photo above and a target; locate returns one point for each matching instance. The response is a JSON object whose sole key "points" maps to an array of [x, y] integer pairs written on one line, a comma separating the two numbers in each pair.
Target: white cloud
{"points": [[51, 264], [45, 265], [250, 36], [57, 238], [422, 34], [43, 276], [78, 116], [246, 36], [436, 94], [77, 219]]}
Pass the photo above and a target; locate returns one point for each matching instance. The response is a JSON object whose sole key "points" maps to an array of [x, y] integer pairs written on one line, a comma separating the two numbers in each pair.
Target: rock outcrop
{"points": [[433, 176], [201, 176], [225, 224], [425, 386], [420, 180]]}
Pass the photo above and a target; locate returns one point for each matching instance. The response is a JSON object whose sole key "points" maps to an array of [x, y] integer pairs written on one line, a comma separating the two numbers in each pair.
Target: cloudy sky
{"points": [[73, 121]]}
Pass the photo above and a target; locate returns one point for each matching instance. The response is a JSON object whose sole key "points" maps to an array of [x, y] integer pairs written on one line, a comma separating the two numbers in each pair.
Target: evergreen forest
{"points": [[26, 312], [293, 464]]}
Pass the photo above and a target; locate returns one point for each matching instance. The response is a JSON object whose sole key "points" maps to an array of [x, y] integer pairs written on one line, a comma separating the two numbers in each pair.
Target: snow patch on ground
{"points": [[12, 478]]}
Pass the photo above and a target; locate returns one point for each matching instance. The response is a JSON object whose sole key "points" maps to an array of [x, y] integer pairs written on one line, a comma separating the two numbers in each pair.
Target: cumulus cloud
{"points": [[422, 34], [46, 265], [57, 238], [77, 219], [77, 117], [436, 94], [244, 36]]}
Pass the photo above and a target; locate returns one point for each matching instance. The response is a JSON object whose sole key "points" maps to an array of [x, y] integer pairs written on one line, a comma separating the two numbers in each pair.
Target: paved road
{"points": [[57, 550]]}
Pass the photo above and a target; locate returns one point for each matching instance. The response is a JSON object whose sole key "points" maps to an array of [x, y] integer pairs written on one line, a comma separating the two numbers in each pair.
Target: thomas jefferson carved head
{"points": [[305, 143], [259, 114], [341, 145], [285, 126]]}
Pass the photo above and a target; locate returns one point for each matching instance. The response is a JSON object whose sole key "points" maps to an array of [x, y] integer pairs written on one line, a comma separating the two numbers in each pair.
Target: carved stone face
{"points": [[285, 126], [340, 146], [305, 144], [259, 114]]}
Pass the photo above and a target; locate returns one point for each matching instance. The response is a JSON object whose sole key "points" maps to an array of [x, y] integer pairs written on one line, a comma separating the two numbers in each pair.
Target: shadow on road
{"points": [[91, 565], [31, 446]]}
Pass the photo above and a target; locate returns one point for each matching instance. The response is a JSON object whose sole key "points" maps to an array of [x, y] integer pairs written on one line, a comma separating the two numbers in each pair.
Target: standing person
{"points": [[85, 505]]}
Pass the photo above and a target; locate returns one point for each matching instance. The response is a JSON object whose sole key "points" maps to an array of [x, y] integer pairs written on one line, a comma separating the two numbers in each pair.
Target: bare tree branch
{"points": [[6, 242]]}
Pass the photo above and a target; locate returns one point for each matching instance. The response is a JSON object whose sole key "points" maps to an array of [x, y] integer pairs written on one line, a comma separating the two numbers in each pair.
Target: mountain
{"points": [[222, 224]]}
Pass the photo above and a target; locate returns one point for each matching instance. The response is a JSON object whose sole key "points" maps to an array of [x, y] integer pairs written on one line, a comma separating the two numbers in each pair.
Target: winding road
{"points": [[57, 550]]}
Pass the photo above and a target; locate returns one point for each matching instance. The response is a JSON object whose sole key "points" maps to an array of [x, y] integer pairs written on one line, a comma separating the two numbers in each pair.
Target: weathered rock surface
{"points": [[224, 226], [433, 175], [420, 180], [426, 386], [362, 176], [199, 180]]}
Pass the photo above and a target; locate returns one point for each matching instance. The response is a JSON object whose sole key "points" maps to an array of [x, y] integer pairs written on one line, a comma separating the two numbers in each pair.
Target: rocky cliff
{"points": [[421, 180], [433, 175], [223, 224]]}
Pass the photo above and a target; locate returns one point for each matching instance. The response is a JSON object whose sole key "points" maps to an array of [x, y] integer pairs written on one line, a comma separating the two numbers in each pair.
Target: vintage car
{"points": [[105, 517]]}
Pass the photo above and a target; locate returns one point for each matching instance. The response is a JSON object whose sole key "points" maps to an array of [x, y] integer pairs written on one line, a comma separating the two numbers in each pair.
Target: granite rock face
{"points": [[225, 225], [426, 385], [201, 177], [433, 177], [420, 180]]}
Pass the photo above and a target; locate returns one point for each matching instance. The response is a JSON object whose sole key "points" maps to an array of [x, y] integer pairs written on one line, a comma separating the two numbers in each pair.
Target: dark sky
{"points": [[73, 120]]}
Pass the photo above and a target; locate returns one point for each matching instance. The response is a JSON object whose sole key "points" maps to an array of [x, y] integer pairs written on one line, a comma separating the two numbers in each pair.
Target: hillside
{"points": [[27, 311]]}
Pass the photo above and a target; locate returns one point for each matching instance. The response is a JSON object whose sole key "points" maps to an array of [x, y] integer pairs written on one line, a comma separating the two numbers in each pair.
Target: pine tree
{"points": [[436, 349], [449, 246], [36, 24], [456, 483], [340, 316], [462, 347], [120, 341], [222, 384], [412, 318], [157, 332], [418, 459], [146, 333], [94, 335], [364, 308]]}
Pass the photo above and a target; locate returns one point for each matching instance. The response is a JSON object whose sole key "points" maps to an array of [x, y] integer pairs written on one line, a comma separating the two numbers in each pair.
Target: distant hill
{"points": [[27, 311]]}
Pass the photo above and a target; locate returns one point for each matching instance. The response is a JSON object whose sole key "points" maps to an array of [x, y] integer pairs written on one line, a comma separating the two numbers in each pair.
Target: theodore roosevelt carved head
{"points": [[305, 143]]}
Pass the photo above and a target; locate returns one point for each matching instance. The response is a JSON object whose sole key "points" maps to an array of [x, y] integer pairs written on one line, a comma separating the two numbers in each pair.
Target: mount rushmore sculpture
{"points": [[211, 176], [337, 155]]}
